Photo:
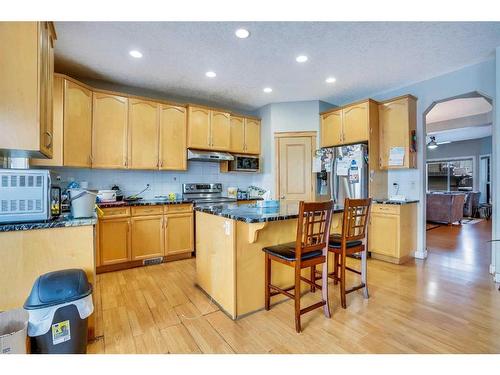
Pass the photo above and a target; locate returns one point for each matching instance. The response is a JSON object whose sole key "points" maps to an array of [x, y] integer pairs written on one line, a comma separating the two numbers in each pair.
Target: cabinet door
{"points": [[57, 149], [143, 128], [173, 138], [46, 67], [179, 233], [394, 130], [383, 234], [355, 122], [114, 241], [220, 131], [77, 125], [252, 136], [109, 131], [237, 132], [331, 129], [147, 237], [198, 128]]}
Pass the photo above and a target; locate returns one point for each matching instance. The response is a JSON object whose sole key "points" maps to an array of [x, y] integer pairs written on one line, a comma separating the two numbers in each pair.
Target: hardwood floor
{"points": [[446, 304]]}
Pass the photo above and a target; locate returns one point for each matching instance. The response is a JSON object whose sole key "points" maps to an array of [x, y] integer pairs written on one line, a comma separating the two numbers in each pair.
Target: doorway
{"points": [[458, 137], [294, 175]]}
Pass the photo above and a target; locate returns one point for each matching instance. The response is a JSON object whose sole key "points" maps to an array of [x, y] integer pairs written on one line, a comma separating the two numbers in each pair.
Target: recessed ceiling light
{"points": [[301, 58], [135, 53], [242, 33], [330, 80], [267, 90], [210, 74]]}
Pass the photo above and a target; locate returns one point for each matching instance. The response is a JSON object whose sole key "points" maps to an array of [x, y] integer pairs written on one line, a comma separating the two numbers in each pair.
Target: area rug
{"points": [[471, 221]]}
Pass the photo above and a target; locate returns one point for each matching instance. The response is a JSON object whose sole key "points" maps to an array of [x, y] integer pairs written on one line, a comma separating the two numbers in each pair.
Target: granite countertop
{"points": [[142, 202], [156, 202], [388, 201], [253, 214], [65, 220]]}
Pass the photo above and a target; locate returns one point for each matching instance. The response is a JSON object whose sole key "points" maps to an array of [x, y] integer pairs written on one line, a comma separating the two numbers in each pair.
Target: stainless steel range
{"points": [[202, 194]]}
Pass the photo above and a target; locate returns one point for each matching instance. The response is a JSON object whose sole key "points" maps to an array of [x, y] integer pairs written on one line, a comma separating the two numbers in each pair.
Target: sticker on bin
{"points": [[61, 332]]}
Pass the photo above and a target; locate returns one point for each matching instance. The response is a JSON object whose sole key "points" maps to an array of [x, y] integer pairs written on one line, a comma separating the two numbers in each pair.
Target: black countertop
{"points": [[388, 201], [252, 213], [65, 220]]}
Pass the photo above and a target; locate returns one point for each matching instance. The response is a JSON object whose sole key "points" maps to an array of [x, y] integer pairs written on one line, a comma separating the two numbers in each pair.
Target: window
{"points": [[450, 175]]}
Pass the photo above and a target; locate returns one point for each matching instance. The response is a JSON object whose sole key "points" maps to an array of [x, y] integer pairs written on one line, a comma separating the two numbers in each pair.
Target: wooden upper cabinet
{"points": [[143, 131], [198, 127], [26, 73], [147, 237], [109, 131], [397, 121], [355, 123], [237, 133], [252, 136], [179, 233], [220, 138], [77, 125], [173, 133], [331, 129]]}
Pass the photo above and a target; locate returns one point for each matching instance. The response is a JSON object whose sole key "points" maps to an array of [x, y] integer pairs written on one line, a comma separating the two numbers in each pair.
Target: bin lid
{"points": [[58, 287]]}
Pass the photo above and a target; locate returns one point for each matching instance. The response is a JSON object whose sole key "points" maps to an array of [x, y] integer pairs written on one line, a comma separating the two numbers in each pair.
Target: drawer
{"points": [[147, 210], [176, 208], [386, 208], [115, 212]]}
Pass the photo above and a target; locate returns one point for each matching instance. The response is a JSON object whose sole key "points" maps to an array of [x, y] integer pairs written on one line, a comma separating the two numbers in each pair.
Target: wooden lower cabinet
{"points": [[127, 236], [147, 237], [392, 232], [179, 233], [114, 241]]}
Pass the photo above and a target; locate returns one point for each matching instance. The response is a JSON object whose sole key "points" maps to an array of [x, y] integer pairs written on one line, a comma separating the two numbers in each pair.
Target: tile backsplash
{"points": [[161, 182]]}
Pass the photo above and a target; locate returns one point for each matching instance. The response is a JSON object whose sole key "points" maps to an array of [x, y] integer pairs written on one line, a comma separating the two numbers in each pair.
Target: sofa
{"points": [[445, 207]]}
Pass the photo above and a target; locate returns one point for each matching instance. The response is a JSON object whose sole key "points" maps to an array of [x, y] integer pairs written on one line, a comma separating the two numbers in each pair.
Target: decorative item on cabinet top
{"points": [[144, 133]]}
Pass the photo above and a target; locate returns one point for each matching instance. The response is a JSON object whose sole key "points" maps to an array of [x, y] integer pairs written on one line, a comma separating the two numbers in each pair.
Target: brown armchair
{"points": [[445, 208]]}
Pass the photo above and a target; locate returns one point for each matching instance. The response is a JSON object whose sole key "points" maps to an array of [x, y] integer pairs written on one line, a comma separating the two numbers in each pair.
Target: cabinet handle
{"points": [[166, 222], [49, 144]]}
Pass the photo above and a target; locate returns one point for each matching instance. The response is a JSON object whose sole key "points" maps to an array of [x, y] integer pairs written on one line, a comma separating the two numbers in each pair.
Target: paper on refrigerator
{"points": [[397, 156], [342, 167]]}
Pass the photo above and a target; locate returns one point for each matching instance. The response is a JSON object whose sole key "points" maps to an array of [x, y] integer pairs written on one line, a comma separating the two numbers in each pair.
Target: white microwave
{"points": [[24, 195], [245, 163]]}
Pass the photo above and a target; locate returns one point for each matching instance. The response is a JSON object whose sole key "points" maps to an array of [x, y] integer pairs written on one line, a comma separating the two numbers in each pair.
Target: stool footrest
{"points": [[354, 288], [282, 291], [312, 307], [352, 270]]}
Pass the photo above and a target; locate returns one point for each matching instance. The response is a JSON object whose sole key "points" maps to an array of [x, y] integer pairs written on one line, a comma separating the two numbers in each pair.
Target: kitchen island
{"points": [[229, 257]]}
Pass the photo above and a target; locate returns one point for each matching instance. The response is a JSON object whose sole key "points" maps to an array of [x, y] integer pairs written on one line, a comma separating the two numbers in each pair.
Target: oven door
{"points": [[245, 163]]}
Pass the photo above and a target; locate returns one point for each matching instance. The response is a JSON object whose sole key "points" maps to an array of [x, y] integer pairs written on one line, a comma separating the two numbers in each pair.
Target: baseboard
{"points": [[492, 269], [420, 254]]}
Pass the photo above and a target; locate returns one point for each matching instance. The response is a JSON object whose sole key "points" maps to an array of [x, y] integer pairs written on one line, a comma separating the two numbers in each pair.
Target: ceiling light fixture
{"points": [[330, 80], [242, 33], [432, 143], [267, 90], [301, 59], [135, 53], [210, 74]]}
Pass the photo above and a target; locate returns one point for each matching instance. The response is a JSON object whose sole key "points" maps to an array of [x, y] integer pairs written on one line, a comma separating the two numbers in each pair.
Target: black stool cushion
{"points": [[336, 243], [287, 251]]}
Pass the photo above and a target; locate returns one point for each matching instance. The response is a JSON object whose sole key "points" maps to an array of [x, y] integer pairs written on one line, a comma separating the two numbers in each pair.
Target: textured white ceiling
{"points": [[364, 57], [458, 108]]}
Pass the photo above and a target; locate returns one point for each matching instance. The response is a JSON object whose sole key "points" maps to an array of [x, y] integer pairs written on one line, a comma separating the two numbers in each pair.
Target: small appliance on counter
{"points": [[241, 194], [25, 195], [106, 196], [255, 192], [119, 194]]}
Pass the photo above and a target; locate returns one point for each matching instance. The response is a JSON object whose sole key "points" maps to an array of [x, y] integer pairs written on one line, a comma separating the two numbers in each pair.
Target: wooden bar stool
{"points": [[352, 240], [309, 250]]}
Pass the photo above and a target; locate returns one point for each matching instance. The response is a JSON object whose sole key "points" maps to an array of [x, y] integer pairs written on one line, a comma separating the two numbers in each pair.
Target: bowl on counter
{"points": [[268, 203]]}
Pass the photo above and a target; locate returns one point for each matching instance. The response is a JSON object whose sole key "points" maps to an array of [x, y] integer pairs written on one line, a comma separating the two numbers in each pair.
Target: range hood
{"points": [[213, 156]]}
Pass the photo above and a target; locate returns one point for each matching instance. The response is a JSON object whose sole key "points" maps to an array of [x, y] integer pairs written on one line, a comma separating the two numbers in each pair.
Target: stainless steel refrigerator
{"points": [[344, 173]]}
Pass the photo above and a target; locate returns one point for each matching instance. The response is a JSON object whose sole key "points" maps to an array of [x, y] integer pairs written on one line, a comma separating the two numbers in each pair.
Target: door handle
{"points": [[282, 197]]}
